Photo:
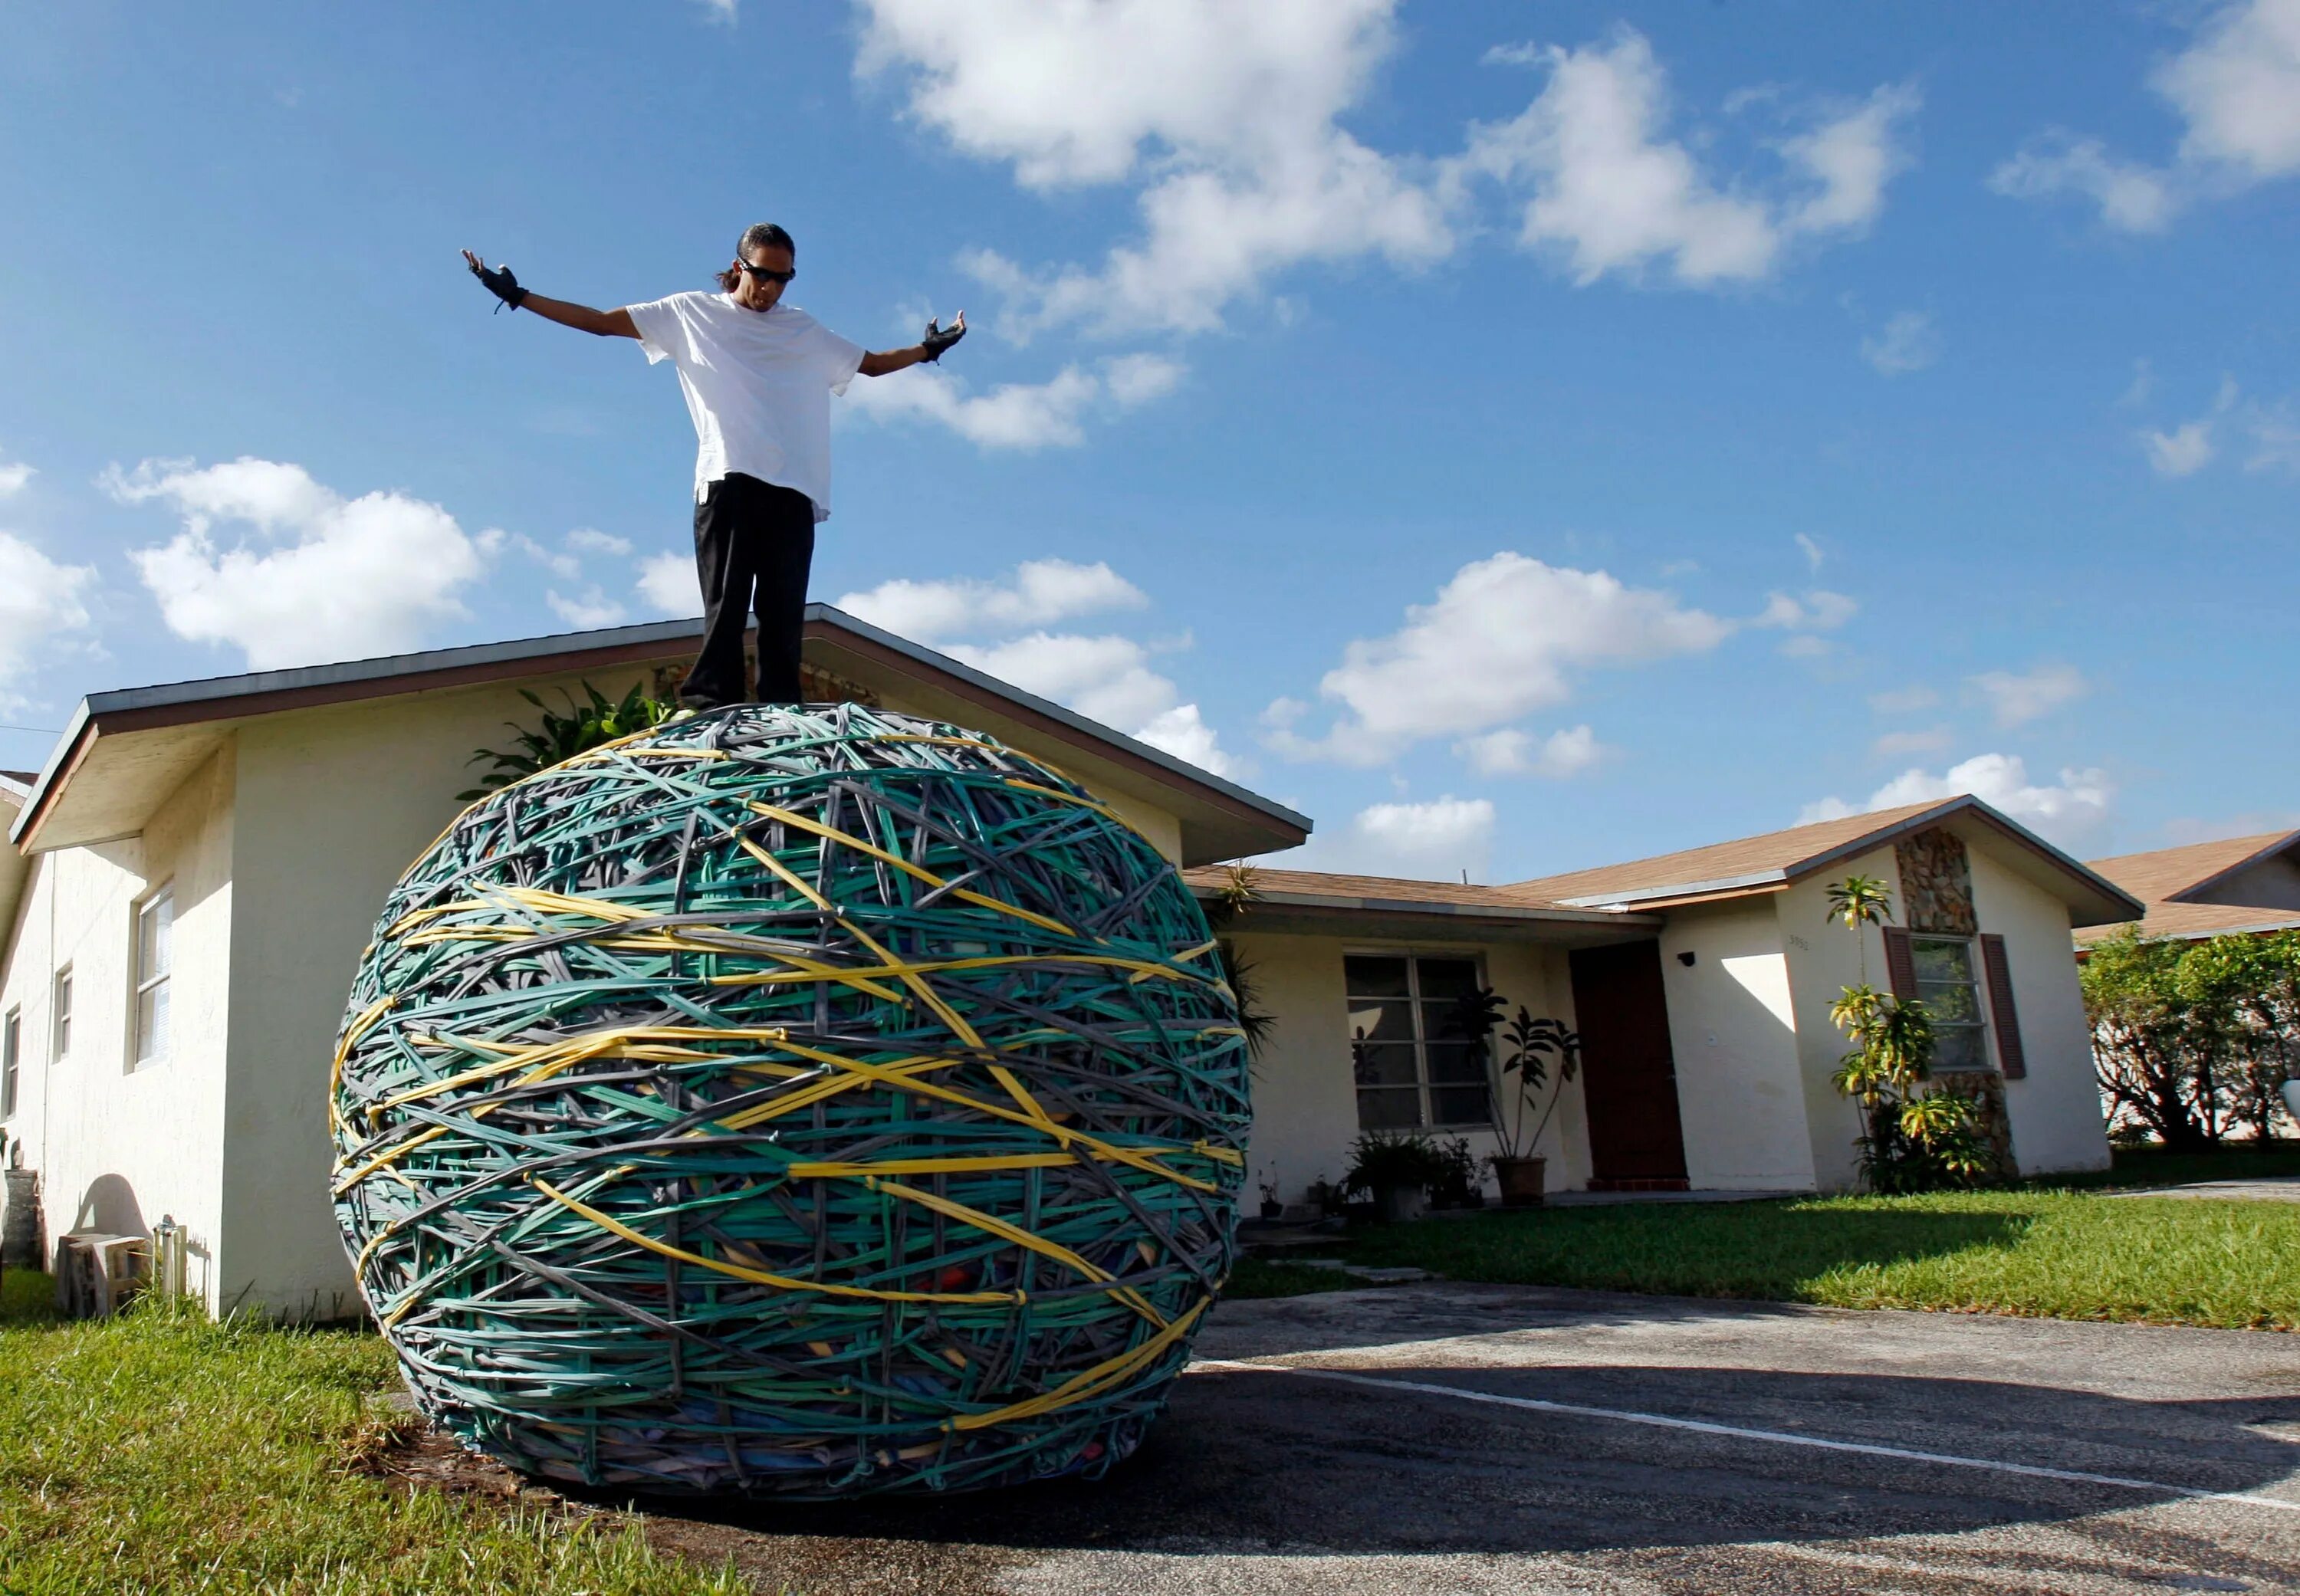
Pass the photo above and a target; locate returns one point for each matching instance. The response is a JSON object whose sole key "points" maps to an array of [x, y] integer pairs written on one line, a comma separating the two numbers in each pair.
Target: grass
{"points": [[158, 1452], [2055, 1250]]}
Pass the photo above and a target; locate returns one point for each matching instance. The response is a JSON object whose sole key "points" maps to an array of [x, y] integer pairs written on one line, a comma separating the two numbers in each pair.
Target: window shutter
{"points": [[1900, 962], [2009, 1056]]}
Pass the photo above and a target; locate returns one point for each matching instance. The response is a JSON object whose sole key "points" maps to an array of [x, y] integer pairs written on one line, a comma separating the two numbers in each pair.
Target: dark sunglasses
{"points": [[772, 276]]}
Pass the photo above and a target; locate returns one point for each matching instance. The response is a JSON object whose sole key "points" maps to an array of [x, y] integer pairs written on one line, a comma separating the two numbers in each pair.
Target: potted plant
{"points": [[1531, 1044], [1396, 1170]]}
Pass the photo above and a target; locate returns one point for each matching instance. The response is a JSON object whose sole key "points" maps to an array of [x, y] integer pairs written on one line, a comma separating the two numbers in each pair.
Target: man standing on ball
{"points": [[758, 375]]}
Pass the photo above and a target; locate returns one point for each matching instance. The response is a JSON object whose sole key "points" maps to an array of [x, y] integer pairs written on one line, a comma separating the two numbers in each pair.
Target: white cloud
{"points": [[1513, 752], [326, 578], [1105, 679], [1437, 840], [2240, 88], [2017, 699], [2178, 832], [667, 586], [2275, 439], [560, 564], [1504, 636], [1894, 744], [1226, 113], [589, 610], [1039, 593], [1611, 193], [2182, 452], [2189, 447], [1819, 610], [1813, 554], [590, 540], [2237, 90], [1907, 344], [39, 599], [1903, 701], [1227, 120], [2074, 814], [1018, 415], [2133, 198], [12, 478], [719, 11]]}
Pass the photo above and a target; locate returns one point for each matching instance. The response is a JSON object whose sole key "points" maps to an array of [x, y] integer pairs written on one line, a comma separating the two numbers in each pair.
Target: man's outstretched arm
{"points": [[879, 361], [582, 318]]}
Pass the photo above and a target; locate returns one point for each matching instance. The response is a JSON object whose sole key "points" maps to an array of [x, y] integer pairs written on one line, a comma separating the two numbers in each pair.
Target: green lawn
{"points": [[157, 1451], [2055, 1250]]}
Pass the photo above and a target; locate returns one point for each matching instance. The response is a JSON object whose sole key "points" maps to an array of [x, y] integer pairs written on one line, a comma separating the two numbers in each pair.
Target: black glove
{"points": [[499, 282], [939, 338]]}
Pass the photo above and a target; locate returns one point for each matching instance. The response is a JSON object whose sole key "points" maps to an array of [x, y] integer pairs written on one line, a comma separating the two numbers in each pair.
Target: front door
{"points": [[1629, 1077]]}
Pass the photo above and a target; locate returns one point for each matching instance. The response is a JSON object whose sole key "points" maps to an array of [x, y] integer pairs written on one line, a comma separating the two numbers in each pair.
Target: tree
{"points": [[2191, 1039], [561, 737]]}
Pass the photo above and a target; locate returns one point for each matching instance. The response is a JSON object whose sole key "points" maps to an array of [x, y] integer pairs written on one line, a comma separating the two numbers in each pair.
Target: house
{"points": [[2239, 884], [198, 866], [1700, 983]]}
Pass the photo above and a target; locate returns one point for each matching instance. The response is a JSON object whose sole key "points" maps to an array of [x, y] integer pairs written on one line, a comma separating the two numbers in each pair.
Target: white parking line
{"points": [[1703, 1427]]}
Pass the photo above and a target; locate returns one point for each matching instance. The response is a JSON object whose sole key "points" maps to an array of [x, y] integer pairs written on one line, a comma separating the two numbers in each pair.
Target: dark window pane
{"points": [[1958, 1047], [1457, 1063], [1442, 1021], [1949, 1005], [1376, 1019], [1368, 975], [1390, 1109], [1941, 960], [1458, 1105], [1448, 977], [1383, 1063]]}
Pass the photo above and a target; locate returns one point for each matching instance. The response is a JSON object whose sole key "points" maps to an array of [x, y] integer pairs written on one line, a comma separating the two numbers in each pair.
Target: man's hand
{"points": [[498, 281], [939, 338]]}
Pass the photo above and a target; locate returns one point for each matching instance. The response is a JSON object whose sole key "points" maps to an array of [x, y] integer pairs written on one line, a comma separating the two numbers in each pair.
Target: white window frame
{"points": [[60, 1015], [1979, 980], [141, 1055], [1429, 1124], [12, 1061]]}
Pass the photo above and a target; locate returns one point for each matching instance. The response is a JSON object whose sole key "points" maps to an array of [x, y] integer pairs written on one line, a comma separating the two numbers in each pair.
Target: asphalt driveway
{"points": [[1447, 1438]]}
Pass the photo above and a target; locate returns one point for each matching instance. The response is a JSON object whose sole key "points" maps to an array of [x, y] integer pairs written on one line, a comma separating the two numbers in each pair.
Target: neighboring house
{"points": [[2245, 884], [199, 865], [1700, 983]]}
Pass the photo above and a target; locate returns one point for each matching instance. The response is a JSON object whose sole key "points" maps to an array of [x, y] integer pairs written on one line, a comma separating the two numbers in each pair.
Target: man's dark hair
{"points": [[759, 235]]}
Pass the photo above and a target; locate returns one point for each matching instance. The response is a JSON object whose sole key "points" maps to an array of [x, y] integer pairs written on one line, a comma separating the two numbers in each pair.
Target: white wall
{"points": [[119, 1148], [1824, 959], [1304, 1095], [1732, 1027], [2055, 1111]]}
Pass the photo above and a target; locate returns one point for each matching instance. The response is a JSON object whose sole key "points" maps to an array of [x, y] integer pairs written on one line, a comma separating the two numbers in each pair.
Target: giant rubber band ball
{"points": [[805, 1102]]}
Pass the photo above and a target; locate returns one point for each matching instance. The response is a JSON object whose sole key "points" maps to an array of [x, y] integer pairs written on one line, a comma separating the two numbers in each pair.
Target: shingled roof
{"points": [[2171, 882]]}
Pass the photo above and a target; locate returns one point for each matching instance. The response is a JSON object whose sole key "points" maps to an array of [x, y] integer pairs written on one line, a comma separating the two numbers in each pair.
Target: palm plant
{"points": [[1911, 1139], [1531, 1044], [561, 737]]}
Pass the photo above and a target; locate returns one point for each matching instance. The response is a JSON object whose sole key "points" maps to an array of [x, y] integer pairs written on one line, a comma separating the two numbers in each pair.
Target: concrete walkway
{"points": [[2277, 1188], [1450, 1438]]}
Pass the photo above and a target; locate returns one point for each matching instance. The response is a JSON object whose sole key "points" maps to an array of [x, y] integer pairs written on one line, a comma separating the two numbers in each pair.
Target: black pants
{"points": [[748, 534]]}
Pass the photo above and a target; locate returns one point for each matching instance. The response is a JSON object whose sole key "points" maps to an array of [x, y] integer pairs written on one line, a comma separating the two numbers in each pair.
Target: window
{"points": [[60, 1033], [1945, 983], [156, 936], [1414, 1063], [12, 1052]]}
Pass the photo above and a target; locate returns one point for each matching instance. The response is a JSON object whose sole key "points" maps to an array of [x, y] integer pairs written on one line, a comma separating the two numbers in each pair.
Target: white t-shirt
{"points": [[758, 384]]}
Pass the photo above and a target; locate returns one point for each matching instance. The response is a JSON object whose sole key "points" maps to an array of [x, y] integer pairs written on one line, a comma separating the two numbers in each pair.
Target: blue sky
{"points": [[1520, 436]]}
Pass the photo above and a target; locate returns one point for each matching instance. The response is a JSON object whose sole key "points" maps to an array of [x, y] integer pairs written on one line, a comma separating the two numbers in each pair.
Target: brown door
{"points": [[1629, 1077]]}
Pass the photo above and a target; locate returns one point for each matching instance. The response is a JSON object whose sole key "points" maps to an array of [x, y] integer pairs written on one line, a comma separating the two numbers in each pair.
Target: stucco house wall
{"points": [[1732, 1024], [1304, 1095], [1824, 959], [118, 1147], [2055, 1111]]}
